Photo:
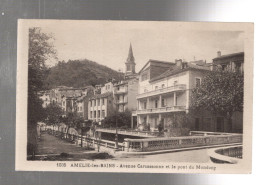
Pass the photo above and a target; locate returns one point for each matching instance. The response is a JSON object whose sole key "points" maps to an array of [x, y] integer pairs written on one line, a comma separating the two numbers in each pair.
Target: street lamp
{"points": [[116, 136]]}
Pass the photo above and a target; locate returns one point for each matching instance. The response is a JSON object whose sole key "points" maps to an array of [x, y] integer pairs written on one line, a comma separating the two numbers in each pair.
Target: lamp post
{"points": [[116, 136]]}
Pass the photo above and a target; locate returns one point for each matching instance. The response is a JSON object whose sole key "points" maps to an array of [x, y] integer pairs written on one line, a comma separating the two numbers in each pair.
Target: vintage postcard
{"points": [[134, 96]]}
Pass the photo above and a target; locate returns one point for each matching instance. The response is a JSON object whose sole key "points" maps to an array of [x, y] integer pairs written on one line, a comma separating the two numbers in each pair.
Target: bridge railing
{"points": [[226, 155], [153, 144]]}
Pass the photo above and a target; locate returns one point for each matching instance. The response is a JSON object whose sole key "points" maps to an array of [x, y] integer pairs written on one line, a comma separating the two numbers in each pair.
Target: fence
{"points": [[129, 132], [226, 155], [86, 141], [154, 144]]}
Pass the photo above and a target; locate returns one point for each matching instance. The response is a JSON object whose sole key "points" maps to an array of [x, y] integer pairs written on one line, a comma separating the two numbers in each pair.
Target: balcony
{"points": [[179, 87], [161, 110], [121, 101], [121, 91]]}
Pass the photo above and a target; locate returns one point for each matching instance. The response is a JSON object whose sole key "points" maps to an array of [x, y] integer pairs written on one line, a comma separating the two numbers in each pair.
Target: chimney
{"points": [[219, 54], [178, 62]]}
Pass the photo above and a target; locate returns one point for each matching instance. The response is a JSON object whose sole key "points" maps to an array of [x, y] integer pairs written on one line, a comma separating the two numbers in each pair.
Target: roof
{"points": [[156, 61], [121, 83], [178, 69], [130, 58], [81, 98], [229, 55], [101, 95]]}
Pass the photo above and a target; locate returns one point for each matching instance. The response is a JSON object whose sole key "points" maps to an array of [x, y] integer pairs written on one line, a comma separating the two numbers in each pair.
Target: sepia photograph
{"points": [[134, 96]]}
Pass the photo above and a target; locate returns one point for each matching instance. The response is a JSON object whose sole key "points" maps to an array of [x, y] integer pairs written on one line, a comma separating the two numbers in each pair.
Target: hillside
{"points": [[79, 73]]}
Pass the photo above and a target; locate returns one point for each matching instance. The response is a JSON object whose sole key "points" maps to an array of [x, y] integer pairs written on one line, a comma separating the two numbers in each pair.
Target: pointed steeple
{"points": [[130, 58], [130, 63]]}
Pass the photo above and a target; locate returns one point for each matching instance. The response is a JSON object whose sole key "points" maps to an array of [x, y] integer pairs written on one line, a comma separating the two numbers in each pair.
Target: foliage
{"points": [[179, 124], [53, 114], [119, 119], [40, 50], [79, 73], [220, 92]]}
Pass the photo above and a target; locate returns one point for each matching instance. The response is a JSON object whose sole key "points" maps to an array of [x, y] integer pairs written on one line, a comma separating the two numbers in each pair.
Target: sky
{"points": [[107, 42]]}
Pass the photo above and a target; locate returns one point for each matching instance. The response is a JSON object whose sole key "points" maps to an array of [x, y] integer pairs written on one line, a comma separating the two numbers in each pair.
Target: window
{"points": [[163, 103], [156, 87], [175, 83], [90, 114], [98, 102], [220, 124], [163, 86], [103, 101], [144, 77], [90, 103], [103, 114], [94, 102], [98, 113], [237, 67], [95, 114], [145, 105], [223, 67], [128, 67], [156, 103], [197, 124], [197, 82], [80, 108]]}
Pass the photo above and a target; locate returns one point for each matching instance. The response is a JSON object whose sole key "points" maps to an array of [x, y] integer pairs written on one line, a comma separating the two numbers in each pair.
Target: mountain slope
{"points": [[79, 73]]}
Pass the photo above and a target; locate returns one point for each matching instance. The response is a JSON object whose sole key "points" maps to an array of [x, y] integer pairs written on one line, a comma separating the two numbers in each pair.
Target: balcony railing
{"points": [[121, 101], [121, 91], [161, 110], [179, 87]]}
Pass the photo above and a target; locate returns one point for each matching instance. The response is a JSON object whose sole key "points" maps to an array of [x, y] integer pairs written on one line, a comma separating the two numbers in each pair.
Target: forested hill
{"points": [[79, 73]]}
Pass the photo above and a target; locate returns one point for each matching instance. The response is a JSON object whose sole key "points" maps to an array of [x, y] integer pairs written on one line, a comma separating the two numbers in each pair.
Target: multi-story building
{"points": [[58, 93], [82, 105], [164, 90], [125, 91], [125, 95], [100, 106], [108, 87], [231, 62], [45, 97]]}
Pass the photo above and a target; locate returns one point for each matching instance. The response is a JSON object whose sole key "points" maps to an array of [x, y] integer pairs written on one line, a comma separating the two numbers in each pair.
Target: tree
{"points": [[40, 50], [53, 114], [123, 119], [220, 93]]}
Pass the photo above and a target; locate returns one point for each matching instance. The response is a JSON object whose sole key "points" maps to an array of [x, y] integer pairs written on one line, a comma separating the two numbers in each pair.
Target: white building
{"points": [[160, 96], [100, 106]]}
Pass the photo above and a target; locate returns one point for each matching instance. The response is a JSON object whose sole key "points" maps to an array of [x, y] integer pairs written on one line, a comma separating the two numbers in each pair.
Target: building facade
{"points": [[167, 93], [100, 106], [232, 62], [125, 91]]}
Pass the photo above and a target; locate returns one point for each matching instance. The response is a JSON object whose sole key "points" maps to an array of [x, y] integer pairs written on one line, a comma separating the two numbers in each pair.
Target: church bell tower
{"points": [[130, 63]]}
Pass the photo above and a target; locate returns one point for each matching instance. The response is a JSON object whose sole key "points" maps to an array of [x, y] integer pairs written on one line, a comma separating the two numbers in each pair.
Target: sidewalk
{"points": [[53, 148]]}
